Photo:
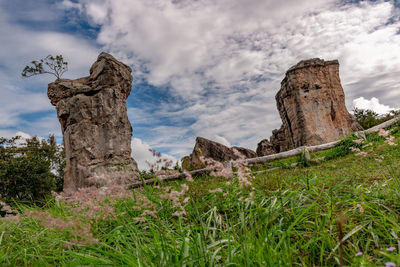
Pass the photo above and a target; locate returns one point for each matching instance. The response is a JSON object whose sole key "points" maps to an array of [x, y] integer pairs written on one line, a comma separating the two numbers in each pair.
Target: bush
{"points": [[147, 175], [29, 171], [368, 118], [343, 148]]}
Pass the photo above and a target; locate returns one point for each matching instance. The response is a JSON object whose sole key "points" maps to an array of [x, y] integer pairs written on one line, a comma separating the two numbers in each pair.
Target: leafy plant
{"points": [[368, 118], [50, 65], [288, 217], [30, 171], [146, 175], [186, 165], [343, 148]]}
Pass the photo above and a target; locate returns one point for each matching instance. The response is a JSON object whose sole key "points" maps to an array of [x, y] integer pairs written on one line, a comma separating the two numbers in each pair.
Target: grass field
{"points": [[288, 217]]}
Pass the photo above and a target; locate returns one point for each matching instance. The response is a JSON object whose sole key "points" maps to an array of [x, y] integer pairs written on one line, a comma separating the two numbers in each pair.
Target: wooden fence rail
{"points": [[317, 148], [264, 159]]}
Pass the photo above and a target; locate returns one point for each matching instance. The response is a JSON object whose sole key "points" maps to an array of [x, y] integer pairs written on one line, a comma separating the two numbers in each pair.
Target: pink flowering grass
{"points": [[383, 132], [160, 162], [188, 176], [218, 169], [390, 140], [284, 216], [361, 154], [177, 198], [358, 141]]}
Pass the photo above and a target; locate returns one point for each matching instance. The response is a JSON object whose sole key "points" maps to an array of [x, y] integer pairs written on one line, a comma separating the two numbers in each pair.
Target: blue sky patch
{"points": [[212, 74]]}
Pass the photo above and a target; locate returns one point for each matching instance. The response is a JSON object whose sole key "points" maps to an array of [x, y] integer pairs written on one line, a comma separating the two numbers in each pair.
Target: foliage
{"points": [[52, 65], [30, 171], [186, 165], [146, 175], [343, 148], [368, 118], [288, 217], [177, 167]]}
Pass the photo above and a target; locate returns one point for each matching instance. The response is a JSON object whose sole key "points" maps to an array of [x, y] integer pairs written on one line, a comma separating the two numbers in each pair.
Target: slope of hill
{"points": [[343, 209]]}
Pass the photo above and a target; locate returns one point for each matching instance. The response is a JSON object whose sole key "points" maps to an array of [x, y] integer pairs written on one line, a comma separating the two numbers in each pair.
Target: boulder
{"points": [[213, 150], [265, 148], [247, 153], [95, 126], [311, 104]]}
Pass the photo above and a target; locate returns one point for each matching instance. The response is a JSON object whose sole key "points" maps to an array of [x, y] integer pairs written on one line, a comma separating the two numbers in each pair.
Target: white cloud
{"points": [[16, 101], [12, 133], [224, 60], [67, 4], [221, 140], [20, 46], [141, 152], [23, 135], [193, 43], [20, 97], [22, 140], [45, 126], [372, 104]]}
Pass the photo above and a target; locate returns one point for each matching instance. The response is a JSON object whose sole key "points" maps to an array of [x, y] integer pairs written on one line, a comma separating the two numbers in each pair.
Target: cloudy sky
{"points": [[206, 68]]}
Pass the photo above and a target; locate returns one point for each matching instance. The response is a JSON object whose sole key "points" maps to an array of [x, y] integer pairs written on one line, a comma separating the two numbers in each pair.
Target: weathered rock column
{"points": [[312, 107], [95, 126]]}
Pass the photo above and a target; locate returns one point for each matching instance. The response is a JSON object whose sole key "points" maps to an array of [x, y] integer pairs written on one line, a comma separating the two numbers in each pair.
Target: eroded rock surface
{"points": [[95, 126], [311, 104], [213, 150], [247, 153], [265, 148]]}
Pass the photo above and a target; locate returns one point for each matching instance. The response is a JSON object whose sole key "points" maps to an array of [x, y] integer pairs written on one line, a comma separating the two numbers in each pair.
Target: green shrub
{"points": [[368, 118], [186, 165], [30, 171], [394, 129], [147, 175], [375, 137], [343, 148]]}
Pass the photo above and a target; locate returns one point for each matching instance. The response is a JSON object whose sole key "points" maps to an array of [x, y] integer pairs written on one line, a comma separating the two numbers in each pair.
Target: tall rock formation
{"points": [[213, 150], [311, 104], [95, 126]]}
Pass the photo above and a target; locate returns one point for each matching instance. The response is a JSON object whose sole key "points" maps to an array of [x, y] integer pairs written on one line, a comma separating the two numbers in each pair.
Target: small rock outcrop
{"points": [[247, 153], [265, 148], [95, 126], [213, 150], [311, 104]]}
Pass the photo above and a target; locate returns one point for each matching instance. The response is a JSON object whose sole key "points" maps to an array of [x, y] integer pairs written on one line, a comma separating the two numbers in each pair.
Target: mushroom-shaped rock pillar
{"points": [[95, 126]]}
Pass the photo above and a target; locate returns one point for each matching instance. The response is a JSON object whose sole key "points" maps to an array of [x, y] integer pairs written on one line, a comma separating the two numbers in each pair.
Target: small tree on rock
{"points": [[51, 65]]}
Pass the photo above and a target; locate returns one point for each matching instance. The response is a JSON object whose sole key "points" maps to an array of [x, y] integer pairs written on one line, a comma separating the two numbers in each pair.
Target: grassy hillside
{"points": [[290, 216]]}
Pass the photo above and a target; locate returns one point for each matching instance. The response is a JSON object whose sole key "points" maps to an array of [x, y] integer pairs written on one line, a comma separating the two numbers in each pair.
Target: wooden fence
{"points": [[282, 155]]}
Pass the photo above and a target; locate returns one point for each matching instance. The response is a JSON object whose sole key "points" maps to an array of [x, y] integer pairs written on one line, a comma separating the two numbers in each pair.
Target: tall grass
{"points": [[288, 217]]}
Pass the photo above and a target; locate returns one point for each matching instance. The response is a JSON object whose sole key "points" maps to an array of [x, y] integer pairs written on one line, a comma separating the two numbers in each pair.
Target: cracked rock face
{"points": [[265, 148], [311, 104], [95, 126], [213, 150]]}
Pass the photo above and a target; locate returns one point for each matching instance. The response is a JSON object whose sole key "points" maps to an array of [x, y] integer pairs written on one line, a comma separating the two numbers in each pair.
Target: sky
{"points": [[207, 68]]}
